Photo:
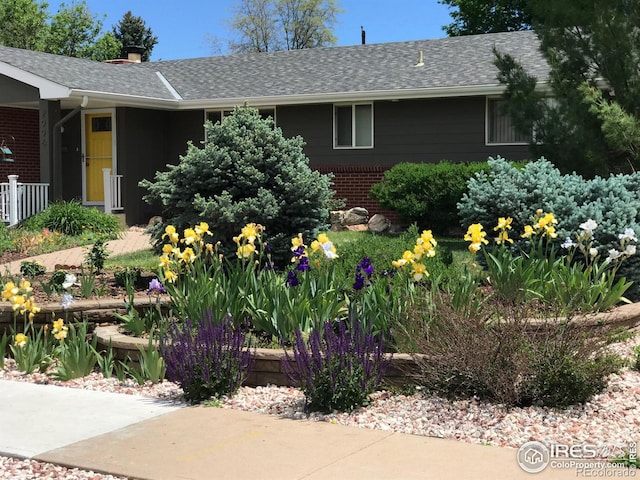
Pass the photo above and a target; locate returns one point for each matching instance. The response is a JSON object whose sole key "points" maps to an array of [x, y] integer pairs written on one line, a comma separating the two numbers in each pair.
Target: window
{"points": [[101, 124], [217, 115], [353, 126], [500, 128]]}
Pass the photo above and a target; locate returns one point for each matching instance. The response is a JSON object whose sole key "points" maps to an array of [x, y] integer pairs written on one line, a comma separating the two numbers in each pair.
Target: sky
{"points": [[185, 28]]}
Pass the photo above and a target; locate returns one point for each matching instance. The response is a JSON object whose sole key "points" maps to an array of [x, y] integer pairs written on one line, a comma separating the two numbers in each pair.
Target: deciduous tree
{"points": [[472, 17], [268, 25], [75, 32], [23, 24]]}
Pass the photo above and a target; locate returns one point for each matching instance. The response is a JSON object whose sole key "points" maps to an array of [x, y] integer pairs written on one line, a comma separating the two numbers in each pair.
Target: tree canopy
{"points": [[269, 25], [73, 30], [472, 17], [593, 50], [133, 31], [24, 24]]}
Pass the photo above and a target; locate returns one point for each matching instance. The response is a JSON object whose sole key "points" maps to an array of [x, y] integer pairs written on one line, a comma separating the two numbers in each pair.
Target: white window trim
{"points": [[487, 123], [353, 127]]}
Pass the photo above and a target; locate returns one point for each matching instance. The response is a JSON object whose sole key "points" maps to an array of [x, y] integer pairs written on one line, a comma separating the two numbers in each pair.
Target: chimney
{"points": [[363, 34], [134, 53]]}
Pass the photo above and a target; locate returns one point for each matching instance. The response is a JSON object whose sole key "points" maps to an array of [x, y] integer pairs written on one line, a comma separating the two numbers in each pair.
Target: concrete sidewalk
{"points": [[143, 438], [132, 240]]}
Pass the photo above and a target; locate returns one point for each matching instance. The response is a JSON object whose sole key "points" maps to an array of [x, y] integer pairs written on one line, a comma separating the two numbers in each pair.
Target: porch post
{"points": [[13, 199], [50, 163], [106, 180]]}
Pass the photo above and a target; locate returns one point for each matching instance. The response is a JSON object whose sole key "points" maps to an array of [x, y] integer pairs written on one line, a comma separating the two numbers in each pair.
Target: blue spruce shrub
{"points": [[613, 202], [247, 171]]}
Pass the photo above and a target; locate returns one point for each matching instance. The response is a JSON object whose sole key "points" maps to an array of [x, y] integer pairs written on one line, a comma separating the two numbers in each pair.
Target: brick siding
{"points": [[353, 184], [22, 125]]}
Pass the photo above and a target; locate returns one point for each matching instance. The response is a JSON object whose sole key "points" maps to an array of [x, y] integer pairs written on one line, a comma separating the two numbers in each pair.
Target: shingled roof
{"points": [[452, 66]]}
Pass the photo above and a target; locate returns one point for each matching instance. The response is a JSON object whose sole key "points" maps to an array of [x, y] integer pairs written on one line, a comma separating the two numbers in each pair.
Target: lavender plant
{"points": [[206, 358], [339, 367]]}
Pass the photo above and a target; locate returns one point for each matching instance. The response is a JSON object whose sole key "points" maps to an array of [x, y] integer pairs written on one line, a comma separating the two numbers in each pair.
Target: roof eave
{"points": [[48, 89], [124, 100], [338, 97]]}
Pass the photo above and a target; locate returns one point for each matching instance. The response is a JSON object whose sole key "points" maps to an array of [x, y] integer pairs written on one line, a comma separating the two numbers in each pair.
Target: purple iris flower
{"points": [[292, 279], [156, 287], [359, 283], [303, 264], [366, 266], [298, 252]]}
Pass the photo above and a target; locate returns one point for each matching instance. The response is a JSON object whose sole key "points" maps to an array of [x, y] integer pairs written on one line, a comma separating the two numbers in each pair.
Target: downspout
{"points": [[56, 165]]}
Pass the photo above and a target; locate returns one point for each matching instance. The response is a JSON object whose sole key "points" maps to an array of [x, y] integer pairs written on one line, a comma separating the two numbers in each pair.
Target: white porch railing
{"points": [[112, 191], [19, 201]]}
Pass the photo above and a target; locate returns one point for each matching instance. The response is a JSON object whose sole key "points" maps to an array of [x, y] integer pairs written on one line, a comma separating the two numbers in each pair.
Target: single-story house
{"points": [[360, 109]]}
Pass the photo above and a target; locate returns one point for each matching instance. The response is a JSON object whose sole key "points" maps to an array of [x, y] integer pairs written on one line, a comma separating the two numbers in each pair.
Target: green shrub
{"points": [[496, 353], [508, 191], [97, 255], [426, 193], [128, 276], [32, 269], [247, 171], [72, 218]]}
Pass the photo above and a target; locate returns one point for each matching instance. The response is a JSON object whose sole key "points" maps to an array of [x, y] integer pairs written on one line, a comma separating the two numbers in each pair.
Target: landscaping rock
{"points": [[355, 216], [335, 217], [357, 228], [379, 223]]}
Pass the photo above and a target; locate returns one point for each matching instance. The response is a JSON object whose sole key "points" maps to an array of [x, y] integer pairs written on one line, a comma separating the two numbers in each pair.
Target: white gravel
{"points": [[610, 417]]}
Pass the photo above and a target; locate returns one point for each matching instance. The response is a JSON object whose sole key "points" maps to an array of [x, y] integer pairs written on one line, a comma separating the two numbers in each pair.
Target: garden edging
{"points": [[94, 310], [266, 364]]}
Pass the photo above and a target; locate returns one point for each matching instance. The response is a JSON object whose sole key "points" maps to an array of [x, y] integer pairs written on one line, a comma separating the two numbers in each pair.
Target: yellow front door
{"points": [[98, 155]]}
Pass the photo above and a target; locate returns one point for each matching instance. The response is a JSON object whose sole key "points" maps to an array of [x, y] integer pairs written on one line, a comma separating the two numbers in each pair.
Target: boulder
{"points": [[355, 216], [379, 223]]}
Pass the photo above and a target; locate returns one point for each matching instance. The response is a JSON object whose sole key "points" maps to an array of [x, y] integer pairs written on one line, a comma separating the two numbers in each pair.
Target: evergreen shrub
{"points": [[508, 191], [426, 193], [246, 171]]}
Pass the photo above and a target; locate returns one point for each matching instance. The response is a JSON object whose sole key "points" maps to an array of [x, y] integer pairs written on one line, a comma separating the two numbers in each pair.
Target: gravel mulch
{"points": [[611, 417]]}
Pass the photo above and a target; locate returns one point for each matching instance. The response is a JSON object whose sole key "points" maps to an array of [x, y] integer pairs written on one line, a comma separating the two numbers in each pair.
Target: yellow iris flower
{"points": [[20, 340]]}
